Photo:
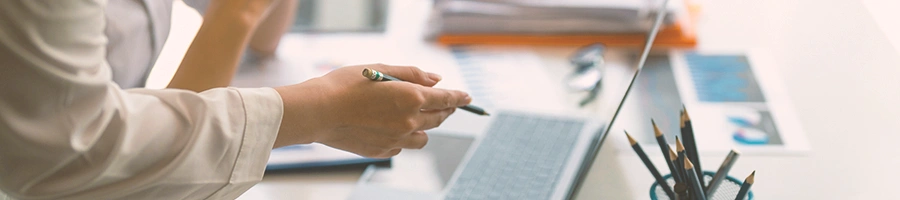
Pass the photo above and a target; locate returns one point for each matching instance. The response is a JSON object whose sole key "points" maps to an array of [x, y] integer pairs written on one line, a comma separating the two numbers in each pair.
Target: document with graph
{"points": [[737, 99]]}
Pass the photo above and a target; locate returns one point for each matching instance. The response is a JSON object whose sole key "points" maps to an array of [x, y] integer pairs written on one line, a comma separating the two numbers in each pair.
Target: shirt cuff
{"points": [[263, 110]]}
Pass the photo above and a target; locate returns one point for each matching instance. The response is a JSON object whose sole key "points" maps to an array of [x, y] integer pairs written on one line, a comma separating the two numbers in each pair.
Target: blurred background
{"points": [[805, 89], [318, 16]]}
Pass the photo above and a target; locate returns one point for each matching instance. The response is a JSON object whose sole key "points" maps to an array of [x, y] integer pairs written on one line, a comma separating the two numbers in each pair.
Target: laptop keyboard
{"points": [[520, 157]]}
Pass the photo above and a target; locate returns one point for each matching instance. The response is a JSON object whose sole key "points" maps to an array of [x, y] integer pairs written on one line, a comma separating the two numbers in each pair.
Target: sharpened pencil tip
{"points": [[672, 155], [686, 116], [486, 114], [750, 178], [655, 128], [630, 139], [678, 146], [688, 165], [681, 119]]}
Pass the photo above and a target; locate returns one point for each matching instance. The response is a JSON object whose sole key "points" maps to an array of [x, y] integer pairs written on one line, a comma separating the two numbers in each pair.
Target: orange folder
{"points": [[679, 34]]}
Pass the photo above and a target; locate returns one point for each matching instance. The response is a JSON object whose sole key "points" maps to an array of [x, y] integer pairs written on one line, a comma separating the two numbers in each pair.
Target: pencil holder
{"points": [[727, 190]]}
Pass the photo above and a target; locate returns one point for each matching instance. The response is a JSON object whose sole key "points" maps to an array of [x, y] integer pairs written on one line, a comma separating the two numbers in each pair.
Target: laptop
{"points": [[528, 155]]}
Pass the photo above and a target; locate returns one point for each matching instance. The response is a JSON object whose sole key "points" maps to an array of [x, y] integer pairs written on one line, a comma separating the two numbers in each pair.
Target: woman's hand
{"points": [[347, 111]]}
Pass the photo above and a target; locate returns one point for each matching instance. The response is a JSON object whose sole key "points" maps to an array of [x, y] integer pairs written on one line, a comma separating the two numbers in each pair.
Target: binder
{"points": [[673, 36], [679, 34]]}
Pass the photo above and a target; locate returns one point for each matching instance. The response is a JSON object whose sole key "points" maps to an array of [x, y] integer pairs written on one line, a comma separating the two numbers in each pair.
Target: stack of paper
{"points": [[452, 18], [566, 16]]}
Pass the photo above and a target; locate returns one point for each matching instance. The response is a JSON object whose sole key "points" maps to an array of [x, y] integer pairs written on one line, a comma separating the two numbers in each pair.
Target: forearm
{"points": [[267, 36], [67, 131], [213, 57]]}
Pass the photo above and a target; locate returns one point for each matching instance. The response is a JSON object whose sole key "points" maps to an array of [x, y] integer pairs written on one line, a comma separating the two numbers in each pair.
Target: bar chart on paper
{"points": [[496, 77], [740, 101]]}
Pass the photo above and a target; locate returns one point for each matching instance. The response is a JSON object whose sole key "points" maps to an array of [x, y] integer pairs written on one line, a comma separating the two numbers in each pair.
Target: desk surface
{"points": [[839, 70]]}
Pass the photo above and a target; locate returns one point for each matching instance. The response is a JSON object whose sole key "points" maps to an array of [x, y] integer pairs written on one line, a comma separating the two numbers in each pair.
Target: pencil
{"points": [[722, 172], [378, 76], [694, 181], [690, 144], [682, 191], [659, 180], [679, 161], [664, 147], [679, 178], [745, 188]]}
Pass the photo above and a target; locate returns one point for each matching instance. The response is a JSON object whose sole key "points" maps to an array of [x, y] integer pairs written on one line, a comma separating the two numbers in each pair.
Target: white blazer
{"points": [[67, 131]]}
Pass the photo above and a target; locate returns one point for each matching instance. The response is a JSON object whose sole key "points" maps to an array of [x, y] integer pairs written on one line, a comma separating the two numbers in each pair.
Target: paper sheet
{"points": [[736, 100], [755, 115], [313, 155], [508, 78]]}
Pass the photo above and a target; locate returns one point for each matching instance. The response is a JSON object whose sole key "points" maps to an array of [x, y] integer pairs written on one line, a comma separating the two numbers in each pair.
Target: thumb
{"points": [[410, 74]]}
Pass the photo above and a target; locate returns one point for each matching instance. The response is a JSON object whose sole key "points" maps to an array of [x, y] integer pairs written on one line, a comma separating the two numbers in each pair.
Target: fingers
{"points": [[410, 74], [389, 154], [442, 99], [416, 140], [435, 77], [433, 118]]}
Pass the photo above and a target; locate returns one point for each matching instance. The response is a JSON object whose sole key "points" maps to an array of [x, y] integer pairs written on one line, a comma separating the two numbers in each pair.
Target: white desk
{"points": [[839, 69]]}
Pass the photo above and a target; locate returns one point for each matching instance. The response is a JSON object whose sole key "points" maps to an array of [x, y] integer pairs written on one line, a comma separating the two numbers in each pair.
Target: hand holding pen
{"points": [[347, 111], [378, 76]]}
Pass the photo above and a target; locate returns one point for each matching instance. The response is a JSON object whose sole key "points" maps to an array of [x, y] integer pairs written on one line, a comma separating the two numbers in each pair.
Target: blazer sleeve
{"points": [[67, 131]]}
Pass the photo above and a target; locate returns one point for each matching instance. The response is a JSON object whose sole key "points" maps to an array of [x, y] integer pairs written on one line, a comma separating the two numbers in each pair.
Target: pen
{"points": [[378, 76]]}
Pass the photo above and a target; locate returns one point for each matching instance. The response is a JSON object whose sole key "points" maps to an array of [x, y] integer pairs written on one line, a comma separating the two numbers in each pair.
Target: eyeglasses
{"points": [[589, 68]]}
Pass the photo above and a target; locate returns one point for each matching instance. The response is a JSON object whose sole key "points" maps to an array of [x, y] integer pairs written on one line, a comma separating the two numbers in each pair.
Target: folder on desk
{"points": [[308, 156], [616, 23]]}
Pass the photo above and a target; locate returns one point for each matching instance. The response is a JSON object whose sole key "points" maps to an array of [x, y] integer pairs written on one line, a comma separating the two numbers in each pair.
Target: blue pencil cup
{"points": [[727, 190]]}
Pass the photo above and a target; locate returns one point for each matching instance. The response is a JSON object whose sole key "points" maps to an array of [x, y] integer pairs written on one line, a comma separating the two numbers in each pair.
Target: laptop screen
{"points": [[596, 143]]}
